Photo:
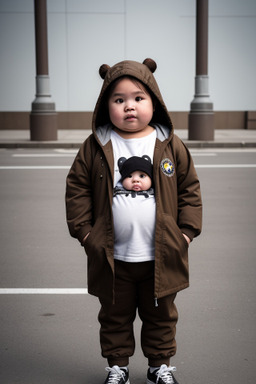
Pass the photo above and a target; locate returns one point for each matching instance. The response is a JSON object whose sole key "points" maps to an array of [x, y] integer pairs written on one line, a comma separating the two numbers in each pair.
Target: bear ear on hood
{"points": [[151, 64], [103, 70]]}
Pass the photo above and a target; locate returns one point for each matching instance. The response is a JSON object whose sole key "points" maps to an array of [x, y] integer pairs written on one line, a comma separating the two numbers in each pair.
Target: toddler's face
{"points": [[137, 181], [130, 106]]}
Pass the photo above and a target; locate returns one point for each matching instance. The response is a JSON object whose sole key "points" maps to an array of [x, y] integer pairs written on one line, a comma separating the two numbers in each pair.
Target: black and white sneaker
{"points": [[163, 375], [117, 375]]}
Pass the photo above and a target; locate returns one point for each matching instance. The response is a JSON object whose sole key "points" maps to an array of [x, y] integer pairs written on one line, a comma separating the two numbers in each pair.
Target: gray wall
{"points": [[83, 34]]}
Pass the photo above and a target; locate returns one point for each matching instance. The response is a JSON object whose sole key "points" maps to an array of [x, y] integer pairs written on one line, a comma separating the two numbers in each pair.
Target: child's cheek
{"points": [[114, 114]]}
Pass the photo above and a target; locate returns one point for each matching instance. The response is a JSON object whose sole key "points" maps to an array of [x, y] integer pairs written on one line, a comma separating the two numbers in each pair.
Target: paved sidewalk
{"points": [[74, 138]]}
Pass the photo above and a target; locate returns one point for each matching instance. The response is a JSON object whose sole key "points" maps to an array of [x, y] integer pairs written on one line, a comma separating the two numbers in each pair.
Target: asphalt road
{"points": [[51, 336]]}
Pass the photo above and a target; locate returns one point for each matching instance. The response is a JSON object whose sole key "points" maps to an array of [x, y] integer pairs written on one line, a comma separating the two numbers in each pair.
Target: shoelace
{"points": [[115, 374], [164, 374]]}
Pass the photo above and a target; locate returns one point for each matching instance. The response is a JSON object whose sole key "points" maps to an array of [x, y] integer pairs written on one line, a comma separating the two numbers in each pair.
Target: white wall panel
{"points": [[17, 61], [232, 63], [17, 6], [99, 6], [93, 40], [58, 59], [83, 34]]}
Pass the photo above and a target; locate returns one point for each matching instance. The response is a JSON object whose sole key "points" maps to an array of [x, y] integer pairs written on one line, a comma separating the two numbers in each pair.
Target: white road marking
{"points": [[225, 166], [43, 291], [54, 167], [21, 167], [203, 154], [42, 155], [223, 150], [66, 150]]}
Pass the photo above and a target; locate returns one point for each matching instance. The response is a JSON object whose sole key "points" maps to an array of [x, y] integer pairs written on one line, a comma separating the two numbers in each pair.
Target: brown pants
{"points": [[134, 288]]}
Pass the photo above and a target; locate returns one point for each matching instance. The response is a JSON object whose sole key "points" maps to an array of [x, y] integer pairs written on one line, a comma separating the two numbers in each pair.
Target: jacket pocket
{"points": [[172, 235], [174, 254], [95, 242], [98, 269], [95, 249]]}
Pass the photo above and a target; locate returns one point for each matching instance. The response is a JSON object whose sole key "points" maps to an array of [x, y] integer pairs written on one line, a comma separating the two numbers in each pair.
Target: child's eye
{"points": [[138, 98], [119, 101], [142, 176]]}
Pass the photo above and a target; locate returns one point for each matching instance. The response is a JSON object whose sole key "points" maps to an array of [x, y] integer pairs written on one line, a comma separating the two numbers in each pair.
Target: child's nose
{"points": [[129, 107]]}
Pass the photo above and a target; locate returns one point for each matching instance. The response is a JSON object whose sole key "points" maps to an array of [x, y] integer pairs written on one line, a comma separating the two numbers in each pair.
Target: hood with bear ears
{"points": [[142, 72]]}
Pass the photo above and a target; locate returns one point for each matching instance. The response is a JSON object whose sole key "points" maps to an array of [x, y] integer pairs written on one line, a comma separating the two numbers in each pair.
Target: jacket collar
{"points": [[103, 133]]}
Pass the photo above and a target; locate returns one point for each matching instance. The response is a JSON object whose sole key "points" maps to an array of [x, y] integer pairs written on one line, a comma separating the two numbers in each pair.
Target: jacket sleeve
{"points": [[189, 193], [78, 194]]}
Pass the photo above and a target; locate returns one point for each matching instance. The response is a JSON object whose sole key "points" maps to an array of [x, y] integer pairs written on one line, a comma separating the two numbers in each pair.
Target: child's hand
{"points": [[84, 239], [186, 238]]}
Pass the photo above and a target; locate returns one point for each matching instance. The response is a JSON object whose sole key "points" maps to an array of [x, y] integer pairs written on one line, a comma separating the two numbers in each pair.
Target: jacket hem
{"points": [[171, 291]]}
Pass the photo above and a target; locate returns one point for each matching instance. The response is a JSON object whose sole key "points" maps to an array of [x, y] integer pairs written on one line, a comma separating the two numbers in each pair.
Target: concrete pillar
{"points": [[43, 117], [201, 116]]}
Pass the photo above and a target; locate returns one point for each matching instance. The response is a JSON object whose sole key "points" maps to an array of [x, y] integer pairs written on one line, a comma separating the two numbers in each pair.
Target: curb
{"points": [[39, 144], [77, 145]]}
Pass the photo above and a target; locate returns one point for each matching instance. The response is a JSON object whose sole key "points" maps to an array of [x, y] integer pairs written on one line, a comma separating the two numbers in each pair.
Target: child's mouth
{"points": [[130, 117], [136, 187]]}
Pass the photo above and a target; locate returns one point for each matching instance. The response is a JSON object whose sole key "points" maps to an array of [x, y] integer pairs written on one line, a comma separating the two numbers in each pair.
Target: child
{"points": [[134, 262], [136, 175]]}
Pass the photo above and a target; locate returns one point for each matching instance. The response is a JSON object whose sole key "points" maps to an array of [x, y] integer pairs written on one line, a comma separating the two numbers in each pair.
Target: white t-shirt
{"points": [[134, 217]]}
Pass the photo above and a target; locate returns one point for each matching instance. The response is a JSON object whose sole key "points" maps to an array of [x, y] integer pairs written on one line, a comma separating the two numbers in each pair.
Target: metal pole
{"points": [[201, 116], [43, 118], [202, 37]]}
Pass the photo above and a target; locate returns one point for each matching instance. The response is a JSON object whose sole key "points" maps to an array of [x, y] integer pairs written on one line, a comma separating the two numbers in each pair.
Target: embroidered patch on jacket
{"points": [[167, 167]]}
